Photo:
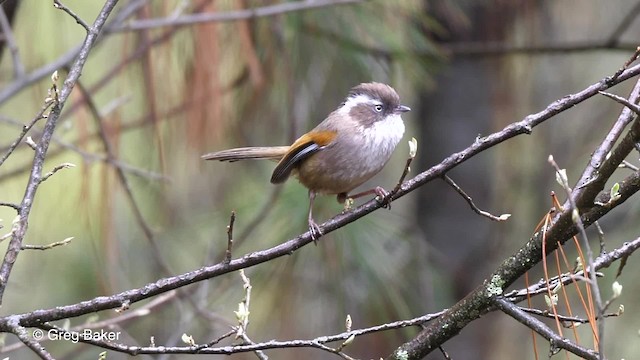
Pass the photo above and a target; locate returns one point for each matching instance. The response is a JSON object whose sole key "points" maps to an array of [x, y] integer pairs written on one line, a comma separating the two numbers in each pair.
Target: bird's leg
{"points": [[381, 196], [314, 229]]}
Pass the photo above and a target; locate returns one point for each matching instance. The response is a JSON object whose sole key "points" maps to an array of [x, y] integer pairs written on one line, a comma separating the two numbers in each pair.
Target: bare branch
{"points": [[483, 49], [15, 245], [259, 353], [261, 215], [469, 200], [623, 26], [86, 156], [48, 246], [227, 350], [561, 230], [23, 335], [25, 130], [16, 207], [542, 329], [627, 165], [67, 58], [570, 320], [592, 202], [124, 182], [270, 10], [575, 216], [232, 219], [413, 148], [633, 107], [58, 5], [18, 66], [602, 261], [141, 311], [55, 170]]}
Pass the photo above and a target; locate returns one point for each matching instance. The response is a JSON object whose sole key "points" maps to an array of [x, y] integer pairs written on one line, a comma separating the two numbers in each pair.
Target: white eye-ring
{"points": [[378, 108]]}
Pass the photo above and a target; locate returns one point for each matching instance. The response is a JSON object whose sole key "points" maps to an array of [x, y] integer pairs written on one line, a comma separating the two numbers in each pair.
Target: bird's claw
{"points": [[382, 197], [314, 231]]}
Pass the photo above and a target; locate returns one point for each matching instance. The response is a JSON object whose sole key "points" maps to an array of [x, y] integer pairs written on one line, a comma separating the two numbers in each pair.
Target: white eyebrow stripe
{"points": [[353, 101]]}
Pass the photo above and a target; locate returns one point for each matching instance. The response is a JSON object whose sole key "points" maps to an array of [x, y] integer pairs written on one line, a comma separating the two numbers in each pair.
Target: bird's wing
{"points": [[307, 145]]}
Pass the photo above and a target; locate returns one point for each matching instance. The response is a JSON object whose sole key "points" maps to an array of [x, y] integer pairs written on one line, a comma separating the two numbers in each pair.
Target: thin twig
{"points": [[488, 48], [261, 214], [633, 107], [628, 63], [542, 329], [124, 182], [407, 168], [15, 207], [58, 5], [602, 261], [227, 255], [243, 308], [600, 237], [55, 170], [25, 130], [444, 353], [220, 338], [629, 18], [273, 344], [575, 216], [469, 200], [67, 58], [141, 311], [87, 156], [568, 319], [627, 165], [48, 246], [5, 25], [245, 14], [259, 353]]}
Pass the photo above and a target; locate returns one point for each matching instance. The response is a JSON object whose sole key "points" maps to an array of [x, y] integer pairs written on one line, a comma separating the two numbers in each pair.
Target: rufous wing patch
{"points": [[307, 145]]}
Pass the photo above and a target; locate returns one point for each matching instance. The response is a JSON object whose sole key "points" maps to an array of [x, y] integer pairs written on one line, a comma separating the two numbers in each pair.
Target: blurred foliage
{"points": [[168, 95], [201, 88]]}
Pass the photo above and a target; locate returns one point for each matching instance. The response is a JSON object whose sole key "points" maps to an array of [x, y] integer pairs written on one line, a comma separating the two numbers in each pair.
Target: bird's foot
{"points": [[382, 197], [315, 231]]}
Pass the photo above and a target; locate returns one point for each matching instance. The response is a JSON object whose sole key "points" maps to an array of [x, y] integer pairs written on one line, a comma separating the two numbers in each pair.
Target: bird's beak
{"points": [[402, 109]]}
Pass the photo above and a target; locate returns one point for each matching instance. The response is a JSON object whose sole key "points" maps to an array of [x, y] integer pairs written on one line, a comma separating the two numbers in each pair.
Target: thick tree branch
{"points": [[592, 206]]}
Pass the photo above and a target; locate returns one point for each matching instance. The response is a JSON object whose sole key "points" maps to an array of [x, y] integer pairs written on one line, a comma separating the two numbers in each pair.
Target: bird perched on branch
{"points": [[346, 149]]}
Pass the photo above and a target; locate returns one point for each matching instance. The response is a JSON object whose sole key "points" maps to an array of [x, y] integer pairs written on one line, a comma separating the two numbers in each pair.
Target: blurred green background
{"points": [[169, 94]]}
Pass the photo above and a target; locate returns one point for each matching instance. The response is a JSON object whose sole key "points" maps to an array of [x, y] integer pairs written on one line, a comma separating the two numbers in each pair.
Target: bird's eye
{"points": [[378, 108]]}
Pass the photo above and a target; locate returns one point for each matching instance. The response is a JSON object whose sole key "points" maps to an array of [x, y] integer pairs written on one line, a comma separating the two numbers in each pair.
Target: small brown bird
{"points": [[346, 149]]}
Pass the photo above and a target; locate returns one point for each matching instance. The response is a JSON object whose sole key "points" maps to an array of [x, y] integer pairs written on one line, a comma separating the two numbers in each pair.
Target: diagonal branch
{"points": [[591, 204], [67, 58], [161, 265], [29, 341], [5, 25], [58, 5], [542, 329], [508, 272]]}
